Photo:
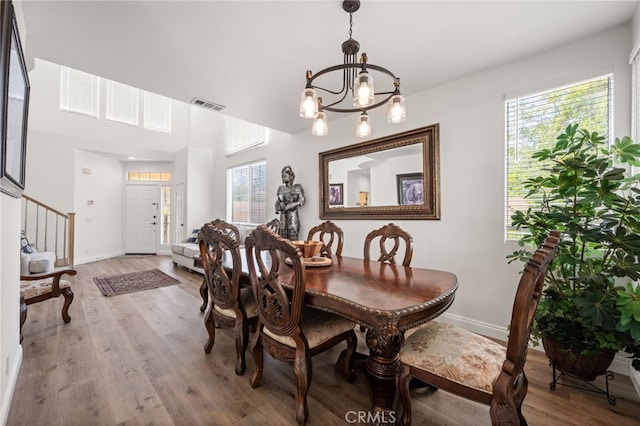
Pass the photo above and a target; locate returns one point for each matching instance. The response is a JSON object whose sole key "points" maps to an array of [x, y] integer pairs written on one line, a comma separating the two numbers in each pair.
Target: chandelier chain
{"points": [[350, 24]]}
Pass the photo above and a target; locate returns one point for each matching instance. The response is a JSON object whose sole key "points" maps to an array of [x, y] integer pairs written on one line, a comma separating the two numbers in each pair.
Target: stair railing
{"points": [[49, 230]]}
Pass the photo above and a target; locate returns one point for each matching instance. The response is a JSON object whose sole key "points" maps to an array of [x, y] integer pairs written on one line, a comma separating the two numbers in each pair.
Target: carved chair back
{"points": [[217, 239], [330, 233], [390, 232], [274, 225], [279, 310], [524, 309]]}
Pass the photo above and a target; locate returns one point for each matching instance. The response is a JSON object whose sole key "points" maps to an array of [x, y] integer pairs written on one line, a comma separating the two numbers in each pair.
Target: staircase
{"points": [[49, 230]]}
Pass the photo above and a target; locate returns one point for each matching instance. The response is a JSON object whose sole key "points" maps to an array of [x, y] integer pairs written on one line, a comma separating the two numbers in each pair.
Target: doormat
{"points": [[114, 285], [133, 256]]}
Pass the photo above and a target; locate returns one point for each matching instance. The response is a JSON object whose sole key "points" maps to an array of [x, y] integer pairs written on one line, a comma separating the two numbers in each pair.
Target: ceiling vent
{"points": [[207, 104]]}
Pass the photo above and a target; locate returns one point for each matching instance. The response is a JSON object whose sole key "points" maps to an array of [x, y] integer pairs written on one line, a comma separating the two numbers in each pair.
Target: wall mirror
{"points": [[394, 177], [14, 107]]}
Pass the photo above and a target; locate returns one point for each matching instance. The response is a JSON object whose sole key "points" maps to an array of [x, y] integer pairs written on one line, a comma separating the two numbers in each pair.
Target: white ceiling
{"points": [[251, 56]]}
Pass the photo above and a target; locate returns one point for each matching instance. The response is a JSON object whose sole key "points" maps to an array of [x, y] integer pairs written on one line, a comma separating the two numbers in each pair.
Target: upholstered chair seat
{"points": [[31, 289], [455, 354], [318, 328]]}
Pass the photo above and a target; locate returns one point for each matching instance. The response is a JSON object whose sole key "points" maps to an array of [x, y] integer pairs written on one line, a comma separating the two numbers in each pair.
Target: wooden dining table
{"points": [[386, 299]]}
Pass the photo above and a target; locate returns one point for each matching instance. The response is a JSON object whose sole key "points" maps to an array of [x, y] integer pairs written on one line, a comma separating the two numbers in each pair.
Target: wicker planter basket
{"points": [[585, 367]]}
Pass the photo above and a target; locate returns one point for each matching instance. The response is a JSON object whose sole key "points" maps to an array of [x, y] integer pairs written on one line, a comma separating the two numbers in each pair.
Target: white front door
{"points": [[141, 218]]}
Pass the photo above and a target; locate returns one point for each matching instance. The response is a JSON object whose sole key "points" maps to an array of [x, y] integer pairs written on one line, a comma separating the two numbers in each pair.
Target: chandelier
{"points": [[357, 81]]}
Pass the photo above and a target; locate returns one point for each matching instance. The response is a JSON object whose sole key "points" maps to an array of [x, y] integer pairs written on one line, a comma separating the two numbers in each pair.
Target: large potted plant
{"points": [[590, 306]]}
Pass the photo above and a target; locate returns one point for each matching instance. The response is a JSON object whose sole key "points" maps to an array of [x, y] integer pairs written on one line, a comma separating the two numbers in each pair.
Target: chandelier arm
{"points": [[347, 66], [376, 105]]}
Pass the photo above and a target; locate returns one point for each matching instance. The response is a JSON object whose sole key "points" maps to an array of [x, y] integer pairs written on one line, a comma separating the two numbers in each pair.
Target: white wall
{"points": [[10, 349], [99, 225]]}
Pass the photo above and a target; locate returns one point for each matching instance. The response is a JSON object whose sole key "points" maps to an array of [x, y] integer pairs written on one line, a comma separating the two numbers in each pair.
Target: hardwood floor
{"points": [[138, 359]]}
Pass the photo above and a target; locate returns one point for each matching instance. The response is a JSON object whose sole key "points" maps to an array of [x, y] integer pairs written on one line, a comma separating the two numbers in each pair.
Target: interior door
{"points": [[141, 218]]}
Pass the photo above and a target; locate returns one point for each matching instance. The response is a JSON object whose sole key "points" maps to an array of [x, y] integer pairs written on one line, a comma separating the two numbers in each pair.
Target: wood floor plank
{"points": [[138, 359]]}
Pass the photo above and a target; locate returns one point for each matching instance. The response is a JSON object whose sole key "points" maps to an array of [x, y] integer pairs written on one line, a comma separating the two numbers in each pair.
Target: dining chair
{"points": [[472, 366], [286, 329], [334, 234], [231, 306], [399, 237]]}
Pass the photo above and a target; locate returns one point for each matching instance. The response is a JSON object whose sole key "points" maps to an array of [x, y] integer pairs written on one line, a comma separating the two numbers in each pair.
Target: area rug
{"points": [[114, 285]]}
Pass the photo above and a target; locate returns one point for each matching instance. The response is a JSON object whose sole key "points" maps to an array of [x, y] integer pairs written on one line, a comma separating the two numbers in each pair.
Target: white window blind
{"points": [[246, 193], [534, 121], [241, 135], [157, 112], [122, 103], [79, 92]]}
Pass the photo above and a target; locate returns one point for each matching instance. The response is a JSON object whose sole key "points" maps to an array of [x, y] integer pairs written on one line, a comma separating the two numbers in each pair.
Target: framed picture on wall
{"points": [[14, 108], [410, 189], [336, 194]]}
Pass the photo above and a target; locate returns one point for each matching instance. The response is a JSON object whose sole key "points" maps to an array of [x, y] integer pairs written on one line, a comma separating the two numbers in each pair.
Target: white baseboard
{"points": [[11, 386], [89, 259], [620, 364], [634, 375]]}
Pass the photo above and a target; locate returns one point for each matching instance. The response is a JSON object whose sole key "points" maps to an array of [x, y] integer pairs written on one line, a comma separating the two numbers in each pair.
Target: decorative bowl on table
{"points": [[310, 250]]}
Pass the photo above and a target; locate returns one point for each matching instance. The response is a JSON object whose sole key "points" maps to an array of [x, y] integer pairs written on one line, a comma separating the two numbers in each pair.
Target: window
{"points": [[246, 193], [241, 135], [145, 176], [157, 112], [79, 92], [534, 121], [165, 218], [122, 103]]}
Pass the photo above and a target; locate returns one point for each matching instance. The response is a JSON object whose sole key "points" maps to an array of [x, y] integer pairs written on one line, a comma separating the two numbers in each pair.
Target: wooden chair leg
{"points": [[302, 367], [204, 294], [256, 351], [352, 342], [68, 298], [242, 335], [23, 315], [403, 389], [210, 325]]}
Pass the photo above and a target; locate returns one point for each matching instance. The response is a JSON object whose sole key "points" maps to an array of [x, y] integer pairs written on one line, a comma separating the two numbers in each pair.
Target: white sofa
{"points": [[186, 252]]}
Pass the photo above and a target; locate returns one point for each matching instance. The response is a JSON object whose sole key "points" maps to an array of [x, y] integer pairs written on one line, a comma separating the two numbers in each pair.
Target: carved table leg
{"points": [[381, 370]]}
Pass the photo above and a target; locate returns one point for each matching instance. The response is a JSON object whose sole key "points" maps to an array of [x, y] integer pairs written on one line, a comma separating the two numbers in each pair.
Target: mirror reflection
{"points": [[365, 178]]}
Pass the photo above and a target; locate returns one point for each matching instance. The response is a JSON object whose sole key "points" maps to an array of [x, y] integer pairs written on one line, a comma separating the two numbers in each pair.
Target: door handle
{"points": [[153, 223]]}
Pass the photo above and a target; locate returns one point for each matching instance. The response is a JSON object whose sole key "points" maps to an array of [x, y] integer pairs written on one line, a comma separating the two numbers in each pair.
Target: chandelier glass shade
{"points": [[357, 82]]}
